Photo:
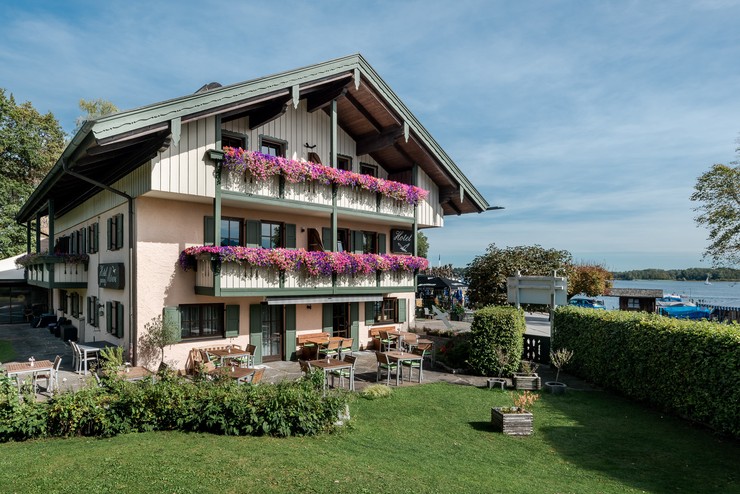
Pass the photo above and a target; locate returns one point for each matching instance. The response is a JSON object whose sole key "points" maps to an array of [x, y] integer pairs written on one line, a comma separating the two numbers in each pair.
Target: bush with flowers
{"points": [[313, 263], [37, 257], [263, 166]]}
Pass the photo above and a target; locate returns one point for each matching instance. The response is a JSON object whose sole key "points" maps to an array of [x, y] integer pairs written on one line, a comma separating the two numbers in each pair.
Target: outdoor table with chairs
{"points": [[136, 373], [329, 365], [233, 352], [40, 369], [87, 351], [395, 360]]}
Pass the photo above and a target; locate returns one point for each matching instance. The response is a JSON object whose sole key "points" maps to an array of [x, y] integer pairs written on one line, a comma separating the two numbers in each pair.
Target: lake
{"points": [[723, 293]]}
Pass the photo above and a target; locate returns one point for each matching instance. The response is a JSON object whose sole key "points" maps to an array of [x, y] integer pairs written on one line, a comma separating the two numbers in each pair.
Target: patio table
{"points": [[134, 373], [400, 357], [240, 374], [232, 353], [20, 369], [321, 342], [91, 348], [330, 364]]}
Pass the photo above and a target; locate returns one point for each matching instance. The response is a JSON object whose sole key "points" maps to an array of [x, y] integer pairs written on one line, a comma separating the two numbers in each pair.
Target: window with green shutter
{"points": [[114, 318], [115, 232], [232, 321]]}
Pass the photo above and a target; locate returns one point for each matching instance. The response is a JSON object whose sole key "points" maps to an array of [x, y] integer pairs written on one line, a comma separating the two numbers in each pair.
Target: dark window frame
{"points": [[344, 159], [369, 169], [239, 229], [280, 145], [344, 236], [281, 233], [233, 137], [116, 232], [369, 242], [386, 311], [93, 236], [195, 317]]}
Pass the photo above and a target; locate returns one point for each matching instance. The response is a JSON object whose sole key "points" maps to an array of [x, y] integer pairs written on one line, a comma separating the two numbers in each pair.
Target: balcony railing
{"points": [[239, 277], [66, 275]]}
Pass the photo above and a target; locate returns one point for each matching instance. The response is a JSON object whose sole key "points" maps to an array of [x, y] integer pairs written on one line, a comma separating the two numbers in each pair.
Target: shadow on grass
{"points": [[482, 426], [644, 448]]}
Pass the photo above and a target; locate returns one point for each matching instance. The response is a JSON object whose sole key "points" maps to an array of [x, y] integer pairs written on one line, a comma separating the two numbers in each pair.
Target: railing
{"points": [[64, 273], [243, 277], [352, 198], [536, 348]]}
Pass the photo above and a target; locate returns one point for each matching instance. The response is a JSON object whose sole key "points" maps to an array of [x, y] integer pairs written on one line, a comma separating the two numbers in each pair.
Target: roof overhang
{"points": [[110, 147]]}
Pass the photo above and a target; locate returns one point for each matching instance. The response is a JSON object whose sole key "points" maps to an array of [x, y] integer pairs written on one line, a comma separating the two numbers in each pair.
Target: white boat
{"points": [[706, 282], [673, 300]]}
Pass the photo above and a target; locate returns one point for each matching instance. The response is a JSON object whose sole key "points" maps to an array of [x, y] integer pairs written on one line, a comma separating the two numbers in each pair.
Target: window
{"points": [[344, 162], [233, 140], [386, 311], [92, 238], [75, 303], [202, 320], [272, 147], [369, 243], [231, 231], [368, 169], [114, 317], [271, 235], [93, 318], [115, 232], [633, 303], [343, 240]]}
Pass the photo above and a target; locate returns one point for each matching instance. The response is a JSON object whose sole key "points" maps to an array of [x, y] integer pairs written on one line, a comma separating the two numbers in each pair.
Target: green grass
{"points": [[431, 438], [6, 351]]}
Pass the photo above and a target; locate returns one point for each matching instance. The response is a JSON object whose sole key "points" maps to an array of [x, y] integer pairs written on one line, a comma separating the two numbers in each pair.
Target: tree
{"points": [[422, 245], [93, 109], [30, 144], [487, 274], [158, 334], [718, 192], [591, 279]]}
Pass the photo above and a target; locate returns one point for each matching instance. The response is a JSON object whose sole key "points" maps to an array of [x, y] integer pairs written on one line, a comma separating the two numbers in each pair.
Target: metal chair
{"points": [[51, 377], [342, 373], [387, 341], [384, 364], [346, 346], [331, 349], [415, 364]]}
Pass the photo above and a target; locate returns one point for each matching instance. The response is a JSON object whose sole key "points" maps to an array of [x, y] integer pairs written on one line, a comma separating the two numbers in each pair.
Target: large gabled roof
{"points": [[110, 147]]}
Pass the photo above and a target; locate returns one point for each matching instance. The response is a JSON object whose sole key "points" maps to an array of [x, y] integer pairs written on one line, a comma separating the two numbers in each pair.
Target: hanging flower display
{"points": [[34, 258], [263, 166], [314, 263]]}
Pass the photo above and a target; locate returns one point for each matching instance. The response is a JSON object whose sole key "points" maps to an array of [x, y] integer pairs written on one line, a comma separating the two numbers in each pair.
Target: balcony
{"points": [[239, 279], [49, 271], [264, 177]]}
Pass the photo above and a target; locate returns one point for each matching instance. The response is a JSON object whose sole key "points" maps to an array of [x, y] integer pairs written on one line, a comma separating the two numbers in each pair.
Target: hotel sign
{"points": [[402, 241], [110, 275]]}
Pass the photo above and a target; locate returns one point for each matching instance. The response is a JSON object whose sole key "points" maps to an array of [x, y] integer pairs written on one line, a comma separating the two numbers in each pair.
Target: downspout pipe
{"points": [[132, 336]]}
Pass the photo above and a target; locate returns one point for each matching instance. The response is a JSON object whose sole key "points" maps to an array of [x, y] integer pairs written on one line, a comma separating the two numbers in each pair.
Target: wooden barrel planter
{"points": [[512, 421]]}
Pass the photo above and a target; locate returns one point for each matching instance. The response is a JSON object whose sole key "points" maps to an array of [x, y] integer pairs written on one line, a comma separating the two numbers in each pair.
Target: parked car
{"points": [[590, 303]]}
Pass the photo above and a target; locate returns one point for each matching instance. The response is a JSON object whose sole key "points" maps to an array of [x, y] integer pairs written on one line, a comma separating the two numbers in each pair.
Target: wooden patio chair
{"points": [[346, 347], [331, 349], [416, 364], [342, 373], [384, 364]]}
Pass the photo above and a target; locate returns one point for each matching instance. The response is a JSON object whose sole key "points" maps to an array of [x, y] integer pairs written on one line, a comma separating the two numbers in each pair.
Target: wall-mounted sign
{"points": [[110, 275], [402, 241]]}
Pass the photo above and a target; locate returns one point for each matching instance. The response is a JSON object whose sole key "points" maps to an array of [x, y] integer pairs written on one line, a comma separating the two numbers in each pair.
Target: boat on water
{"points": [[673, 300], [707, 282], [686, 312]]}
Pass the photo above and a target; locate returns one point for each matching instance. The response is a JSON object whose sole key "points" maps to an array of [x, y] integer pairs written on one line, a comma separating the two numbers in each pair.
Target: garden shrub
{"points": [[494, 328], [174, 403], [690, 368], [456, 351]]}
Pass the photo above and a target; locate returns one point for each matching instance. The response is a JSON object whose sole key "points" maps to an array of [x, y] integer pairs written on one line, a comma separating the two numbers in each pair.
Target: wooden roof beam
{"points": [[322, 99], [269, 112], [368, 116], [370, 144]]}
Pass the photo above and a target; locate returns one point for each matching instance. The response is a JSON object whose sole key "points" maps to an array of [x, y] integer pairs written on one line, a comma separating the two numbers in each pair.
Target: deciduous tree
{"points": [[718, 192], [591, 279]]}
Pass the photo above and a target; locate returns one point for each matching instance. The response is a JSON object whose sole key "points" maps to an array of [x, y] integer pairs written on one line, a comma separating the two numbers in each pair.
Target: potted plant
{"points": [[502, 361], [515, 420], [558, 358], [527, 377]]}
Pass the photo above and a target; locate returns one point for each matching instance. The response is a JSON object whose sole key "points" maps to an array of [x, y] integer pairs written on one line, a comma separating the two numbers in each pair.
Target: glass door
{"points": [[272, 332], [341, 320]]}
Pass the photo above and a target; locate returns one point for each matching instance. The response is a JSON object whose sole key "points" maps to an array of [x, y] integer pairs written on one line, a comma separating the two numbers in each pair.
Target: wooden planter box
{"points": [[522, 381], [512, 423]]}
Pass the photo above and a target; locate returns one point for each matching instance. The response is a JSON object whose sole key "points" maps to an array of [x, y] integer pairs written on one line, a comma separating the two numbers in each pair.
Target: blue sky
{"points": [[588, 121]]}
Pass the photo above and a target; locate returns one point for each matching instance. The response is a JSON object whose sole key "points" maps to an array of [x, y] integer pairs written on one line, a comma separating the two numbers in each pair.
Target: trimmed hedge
{"points": [[496, 327], [690, 368], [294, 408]]}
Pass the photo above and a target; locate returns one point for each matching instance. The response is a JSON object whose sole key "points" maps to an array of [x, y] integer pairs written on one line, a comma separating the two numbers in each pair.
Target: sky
{"points": [[589, 122]]}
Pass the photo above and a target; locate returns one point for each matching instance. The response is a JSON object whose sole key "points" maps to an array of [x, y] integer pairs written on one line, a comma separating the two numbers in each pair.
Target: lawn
{"points": [[431, 438], [6, 351]]}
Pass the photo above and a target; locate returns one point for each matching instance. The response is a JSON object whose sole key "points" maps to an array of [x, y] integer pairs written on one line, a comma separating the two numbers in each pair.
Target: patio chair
{"points": [[384, 364], [305, 366], [331, 349], [409, 341], [257, 376], [51, 377], [386, 341], [342, 373], [248, 360], [346, 347], [81, 358], [416, 364]]}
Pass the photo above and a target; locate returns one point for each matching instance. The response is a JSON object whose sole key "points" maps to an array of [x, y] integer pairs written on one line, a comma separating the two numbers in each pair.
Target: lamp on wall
{"points": [[308, 307]]}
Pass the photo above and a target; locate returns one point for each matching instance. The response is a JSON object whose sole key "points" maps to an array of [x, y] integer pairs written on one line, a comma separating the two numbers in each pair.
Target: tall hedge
{"points": [[496, 327], [690, 368]]}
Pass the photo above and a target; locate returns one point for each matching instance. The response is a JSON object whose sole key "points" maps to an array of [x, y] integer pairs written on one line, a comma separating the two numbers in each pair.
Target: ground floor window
{"points": [[341, 320], [386, 311], [202, 320], [272, 331], [633, 303]]}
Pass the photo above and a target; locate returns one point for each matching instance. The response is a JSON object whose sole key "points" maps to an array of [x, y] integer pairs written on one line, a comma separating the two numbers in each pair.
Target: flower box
{"points": [[513, 421], [527, 381]]}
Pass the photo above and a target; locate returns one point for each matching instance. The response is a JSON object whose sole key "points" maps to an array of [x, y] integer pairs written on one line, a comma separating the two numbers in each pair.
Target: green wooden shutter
{"points": [[119, 322], [290, 236], [232, 321], [328, 318], [354, 317], [369, 313], [326, 240], [208, 230], [96, 237], [109, 317], [401, 310], [381, 243], [253, 233], [171, 315], [96, 312], [255, 331], [110, 233], [357, 241], [119, 231], [290, 334]]}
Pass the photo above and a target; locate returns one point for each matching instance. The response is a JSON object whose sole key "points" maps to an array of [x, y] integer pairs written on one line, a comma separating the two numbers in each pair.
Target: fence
{"points": [[536, 348]]}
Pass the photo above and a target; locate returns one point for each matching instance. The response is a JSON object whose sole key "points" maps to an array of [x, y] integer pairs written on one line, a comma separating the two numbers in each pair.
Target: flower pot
{"points": [[512, 421], [556, 388], [527, 381]]}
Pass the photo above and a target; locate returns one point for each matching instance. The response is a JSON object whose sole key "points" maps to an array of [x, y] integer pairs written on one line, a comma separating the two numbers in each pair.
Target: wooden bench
{"points": [[194, 359], [374, 333], [302, 339]]}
